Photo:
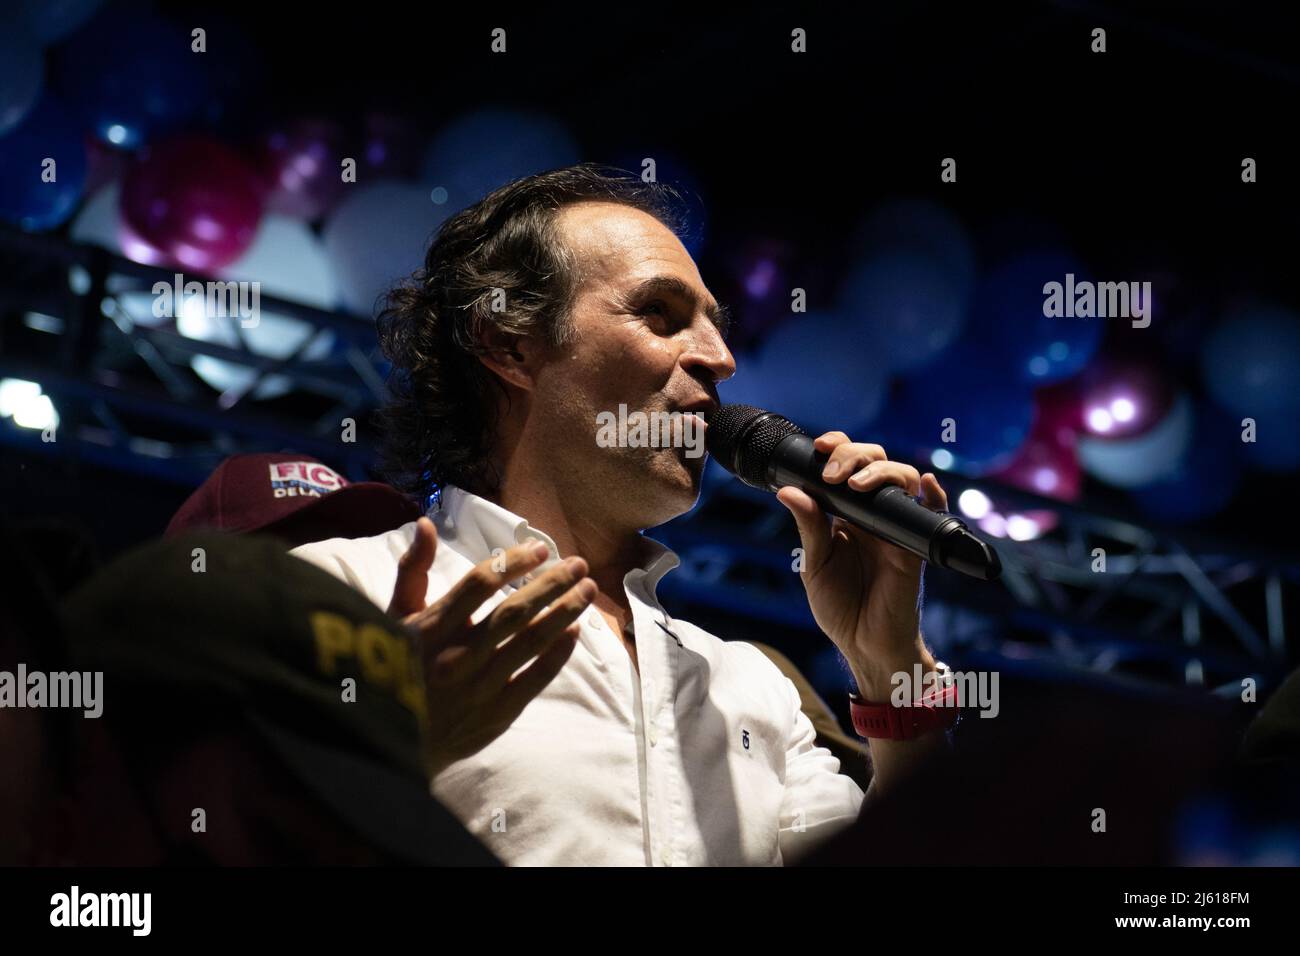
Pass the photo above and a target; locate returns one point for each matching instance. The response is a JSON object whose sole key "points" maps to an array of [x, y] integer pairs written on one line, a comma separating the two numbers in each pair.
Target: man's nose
{"points": [[707, 351]]}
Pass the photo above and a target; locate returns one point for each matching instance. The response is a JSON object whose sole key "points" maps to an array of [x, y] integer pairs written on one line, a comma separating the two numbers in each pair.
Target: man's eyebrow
{"points": [[672, 286]]}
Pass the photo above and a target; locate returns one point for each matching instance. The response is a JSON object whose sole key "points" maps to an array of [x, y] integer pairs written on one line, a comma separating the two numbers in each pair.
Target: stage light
{"points": [[40, 322], [1125, 397], [16, 392], [994, 524], [1022, 528], [22, 401], [1100, 420], [1046, 480], [974, 504], [1123, 409], [941, 458], [38, 413], [1130, 462], [193, 319]]}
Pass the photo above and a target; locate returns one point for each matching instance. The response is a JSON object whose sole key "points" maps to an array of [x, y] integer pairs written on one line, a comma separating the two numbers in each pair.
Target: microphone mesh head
{"points": [[741, 438]]}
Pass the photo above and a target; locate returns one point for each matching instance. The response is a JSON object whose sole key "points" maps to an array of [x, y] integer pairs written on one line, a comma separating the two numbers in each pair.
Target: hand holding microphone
{"points": [[861, 570], [767, 451]]}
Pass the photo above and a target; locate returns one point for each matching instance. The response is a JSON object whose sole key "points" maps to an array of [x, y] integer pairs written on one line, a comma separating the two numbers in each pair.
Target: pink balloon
{"points": [[1048, 462], [194, 200], [299, 167]]}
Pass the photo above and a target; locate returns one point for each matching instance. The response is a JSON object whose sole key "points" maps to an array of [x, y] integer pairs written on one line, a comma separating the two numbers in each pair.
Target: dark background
{"points": [[1133, 156]]}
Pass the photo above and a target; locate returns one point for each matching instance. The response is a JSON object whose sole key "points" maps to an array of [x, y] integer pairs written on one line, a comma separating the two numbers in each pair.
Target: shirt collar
{"points": [[476, 527]]}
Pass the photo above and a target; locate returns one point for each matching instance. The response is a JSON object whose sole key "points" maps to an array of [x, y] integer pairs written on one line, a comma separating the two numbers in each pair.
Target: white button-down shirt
{"points": [[702, 758]]}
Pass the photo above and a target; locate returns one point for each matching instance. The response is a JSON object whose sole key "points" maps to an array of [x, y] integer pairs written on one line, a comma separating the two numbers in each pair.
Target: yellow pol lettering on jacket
{"points": [[383, 659]]}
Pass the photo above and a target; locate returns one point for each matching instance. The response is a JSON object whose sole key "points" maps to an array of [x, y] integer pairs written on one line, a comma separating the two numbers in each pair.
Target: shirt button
{"points": [[654, 735], [666, 856]]}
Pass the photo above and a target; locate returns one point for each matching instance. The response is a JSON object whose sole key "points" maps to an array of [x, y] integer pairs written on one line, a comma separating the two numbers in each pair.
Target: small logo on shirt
{"points": [[744, 738]]}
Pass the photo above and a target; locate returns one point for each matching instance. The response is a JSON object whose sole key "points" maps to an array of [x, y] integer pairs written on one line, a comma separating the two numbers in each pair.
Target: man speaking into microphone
{"points": [[573, 721]]}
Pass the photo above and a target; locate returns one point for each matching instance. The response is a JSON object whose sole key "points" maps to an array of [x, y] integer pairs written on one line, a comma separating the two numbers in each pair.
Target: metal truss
{"points": [[1168, 605], [1197, 611], [124, 388]]}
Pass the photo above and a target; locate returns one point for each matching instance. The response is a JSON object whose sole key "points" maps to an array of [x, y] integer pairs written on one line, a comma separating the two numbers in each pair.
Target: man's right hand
{"points": [[472, 690]]}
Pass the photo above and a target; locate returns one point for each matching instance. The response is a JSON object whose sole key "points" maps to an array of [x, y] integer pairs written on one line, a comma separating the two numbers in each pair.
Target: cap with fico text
{"points": [[295, 497]]}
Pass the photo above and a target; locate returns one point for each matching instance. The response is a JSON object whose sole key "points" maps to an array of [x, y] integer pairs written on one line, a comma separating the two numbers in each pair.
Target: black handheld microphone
{"points": [[767, 451]]}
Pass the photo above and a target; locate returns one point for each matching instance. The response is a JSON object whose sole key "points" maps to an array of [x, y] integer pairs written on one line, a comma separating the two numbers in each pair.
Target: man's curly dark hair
{"points": [[440, 423]]}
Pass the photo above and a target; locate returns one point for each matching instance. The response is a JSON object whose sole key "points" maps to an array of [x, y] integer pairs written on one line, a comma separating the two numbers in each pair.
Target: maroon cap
{"points": [[294, 497]]}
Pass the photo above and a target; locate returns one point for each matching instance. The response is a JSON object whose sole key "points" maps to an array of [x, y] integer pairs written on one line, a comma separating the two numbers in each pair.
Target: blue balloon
{"points": [[1277, 440], [822, 372], [669, 170], [1206, 479], [132, 76], [22, 72], [481, 151], [914, 306], [26, 198], [51, 20], [749, 386], [964, 397], [921, 228], [1252, 361], [1007, 316]]}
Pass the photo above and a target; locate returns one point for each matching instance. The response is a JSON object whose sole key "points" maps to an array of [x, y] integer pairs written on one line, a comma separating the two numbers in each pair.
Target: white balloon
{"points": [[274, 336], [290, 262], [378, 236], [97, 222], [287, 260], [1133, 462]]}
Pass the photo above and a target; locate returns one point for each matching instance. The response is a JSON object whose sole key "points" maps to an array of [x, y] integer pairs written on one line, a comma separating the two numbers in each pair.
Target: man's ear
{"points": [[511, 357]]}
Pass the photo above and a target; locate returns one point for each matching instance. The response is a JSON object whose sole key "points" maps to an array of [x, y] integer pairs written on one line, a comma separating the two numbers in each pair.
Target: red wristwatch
{"points": [[937, 709]]}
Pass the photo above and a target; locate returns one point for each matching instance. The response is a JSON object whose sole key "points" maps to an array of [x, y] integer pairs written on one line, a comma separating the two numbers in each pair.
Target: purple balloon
{"points": [[299, 166], [393, 147], [107, 164], [194, 200]]}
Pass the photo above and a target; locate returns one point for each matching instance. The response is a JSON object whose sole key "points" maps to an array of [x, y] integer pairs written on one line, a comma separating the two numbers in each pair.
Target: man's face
{"points": [[648, 337]]}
